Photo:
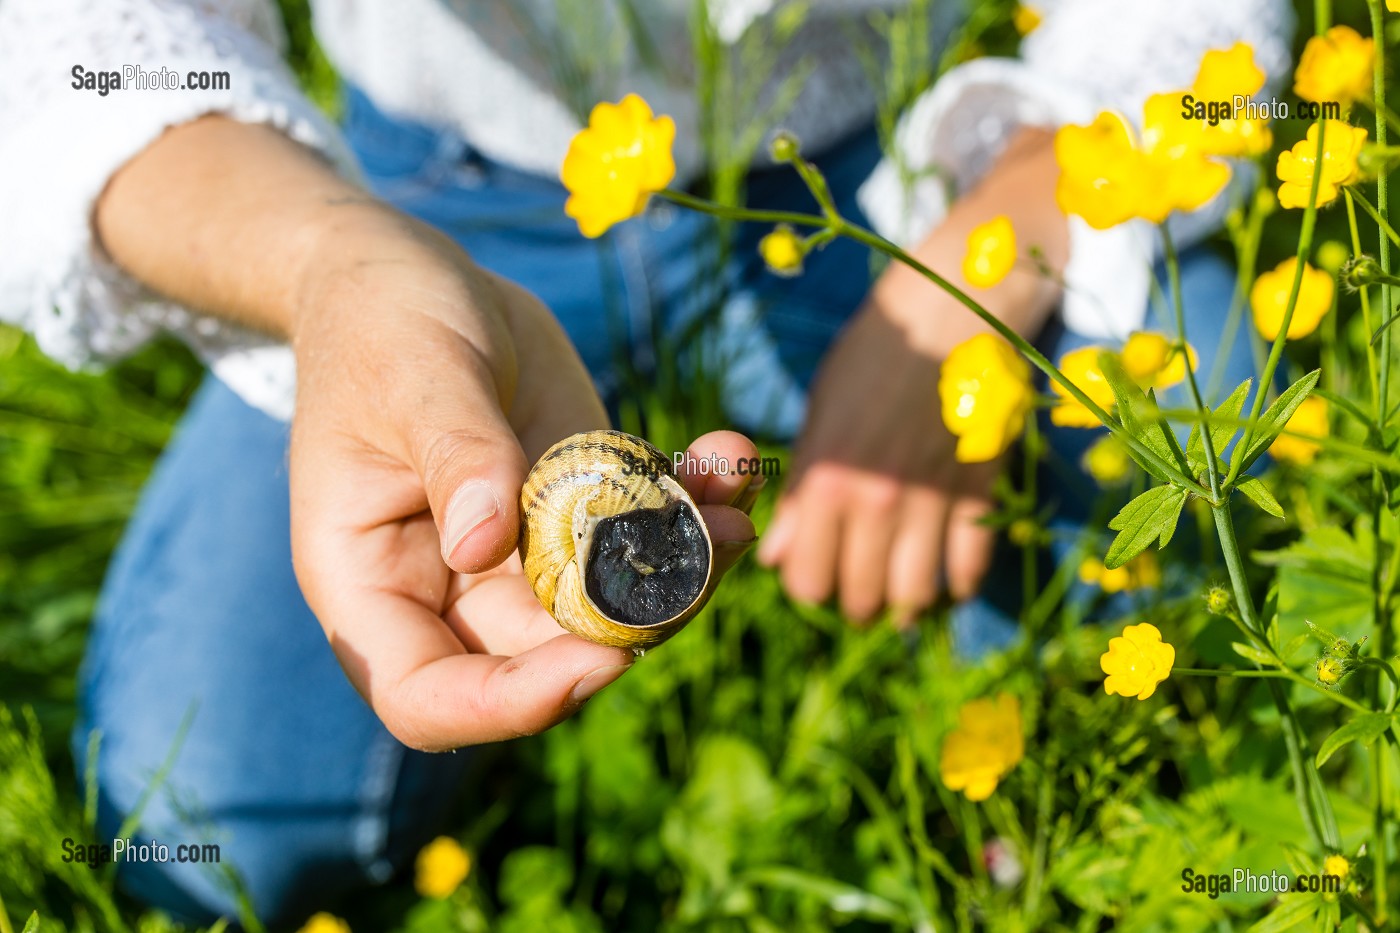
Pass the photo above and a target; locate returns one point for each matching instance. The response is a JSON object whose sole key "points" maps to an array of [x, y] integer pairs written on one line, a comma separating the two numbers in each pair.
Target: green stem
{"points": [[1371, 366], [1202, 416], [1381, 213], [878, 243], [1313, 802], [1305, 238], [1377, 215]]}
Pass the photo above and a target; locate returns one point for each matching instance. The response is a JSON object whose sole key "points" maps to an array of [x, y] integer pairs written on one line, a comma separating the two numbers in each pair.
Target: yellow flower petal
{"points": [[1107, 461], [1137, 661], [1269, 299], [616, 163], [441, 867], [783, 251], [984, 387], [1309, 418], [1336, 66], [991, 252], [1341, 146], [1027, 18], [986, 744], [323, 922], [1081, 367]]}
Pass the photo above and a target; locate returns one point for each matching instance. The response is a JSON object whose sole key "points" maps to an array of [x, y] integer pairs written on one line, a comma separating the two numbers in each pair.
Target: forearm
{"points": [[1022, 186], [229, 218]]}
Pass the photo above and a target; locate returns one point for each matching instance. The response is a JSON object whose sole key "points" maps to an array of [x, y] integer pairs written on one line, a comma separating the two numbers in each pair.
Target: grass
{"points": [[771, 769]]}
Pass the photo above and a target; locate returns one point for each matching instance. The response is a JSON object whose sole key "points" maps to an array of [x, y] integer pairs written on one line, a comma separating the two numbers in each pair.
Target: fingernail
{"points": [[593, 682], [470, 507], [744, 499]]}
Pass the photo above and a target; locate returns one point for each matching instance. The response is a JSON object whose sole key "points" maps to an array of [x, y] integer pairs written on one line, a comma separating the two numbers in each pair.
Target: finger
{"points": [[913, 567], [866, 536], [433, 695], [732, 533], [712, 471], [776, 539], [470, 462], [809, 568], [499, 614], [970, 545]]}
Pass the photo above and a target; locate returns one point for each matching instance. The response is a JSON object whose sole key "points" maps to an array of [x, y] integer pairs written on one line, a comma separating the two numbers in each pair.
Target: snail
{"points": [[613, 546]]}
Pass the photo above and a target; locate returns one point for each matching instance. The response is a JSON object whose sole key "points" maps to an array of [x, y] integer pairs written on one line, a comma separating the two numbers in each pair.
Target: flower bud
{"points": [[784, 147], [1374, 160], [783, 251], [1218, 601], [1330, 671]]}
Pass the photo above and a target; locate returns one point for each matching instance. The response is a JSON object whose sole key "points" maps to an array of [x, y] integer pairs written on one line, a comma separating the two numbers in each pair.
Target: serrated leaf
{"points": [[1292, 910], [1228, 416], [1255, 490], [1141, 417], [1251, 653], [1151, 516], [1365, 728], [1276, 416]]}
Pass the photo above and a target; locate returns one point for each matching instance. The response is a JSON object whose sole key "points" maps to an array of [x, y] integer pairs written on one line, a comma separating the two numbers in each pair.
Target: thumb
{"points": [[472, 468]]}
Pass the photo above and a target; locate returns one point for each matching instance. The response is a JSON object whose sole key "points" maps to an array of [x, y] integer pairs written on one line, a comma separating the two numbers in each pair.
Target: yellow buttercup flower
{"points": [[1269, 299], [783, 251], [1141, 572], [991, 252], [1081, 367], [616, 163], [1341, 146], [984, 747], [986, 393], [1155, 362], [1107, 461], [441, 867], [1337, 864], [1225, 73], [1136, 662], [1393, 5], [324, 923], [1309, 418], [1107, 177], [1336, 66], [1027, 18]]}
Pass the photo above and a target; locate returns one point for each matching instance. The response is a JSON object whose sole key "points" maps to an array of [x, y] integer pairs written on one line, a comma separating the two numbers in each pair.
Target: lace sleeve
{"points": [[1086, 56], [59, 144]]}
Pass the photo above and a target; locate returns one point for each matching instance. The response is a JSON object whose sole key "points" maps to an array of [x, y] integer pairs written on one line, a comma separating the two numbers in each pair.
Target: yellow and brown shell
{"points": [[612, 544]]}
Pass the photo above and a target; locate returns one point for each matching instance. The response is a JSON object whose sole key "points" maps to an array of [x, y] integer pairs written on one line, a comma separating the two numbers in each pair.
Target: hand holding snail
{"points": [[611, 543]]}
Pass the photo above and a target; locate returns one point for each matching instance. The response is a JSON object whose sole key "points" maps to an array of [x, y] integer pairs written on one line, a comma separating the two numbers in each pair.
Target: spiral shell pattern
{"points": [[613, 546]]}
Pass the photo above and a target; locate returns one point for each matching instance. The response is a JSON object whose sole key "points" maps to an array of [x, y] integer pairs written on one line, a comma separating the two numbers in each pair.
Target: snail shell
{"points": [[613, 546]]}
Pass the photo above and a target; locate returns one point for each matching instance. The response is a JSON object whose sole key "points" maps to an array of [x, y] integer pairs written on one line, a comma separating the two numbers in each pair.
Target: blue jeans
{"points": [[201, 620]]}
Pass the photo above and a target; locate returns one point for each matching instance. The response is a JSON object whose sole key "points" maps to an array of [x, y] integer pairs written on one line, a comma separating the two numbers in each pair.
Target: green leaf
{"points": [[1365, 728], [32, 924], [1292, 910], [1141, 418], [1324, 578], [1152, 515], [1223, 426], [1251, 653], [1276, 416], [1255, 490]]}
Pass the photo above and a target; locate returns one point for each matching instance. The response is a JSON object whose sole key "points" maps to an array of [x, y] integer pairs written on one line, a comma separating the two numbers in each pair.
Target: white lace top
{"points": [[511, 76]]}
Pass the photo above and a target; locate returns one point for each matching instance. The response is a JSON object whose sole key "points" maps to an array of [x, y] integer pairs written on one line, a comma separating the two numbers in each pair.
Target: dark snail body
{"points": [[612, 544]]}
